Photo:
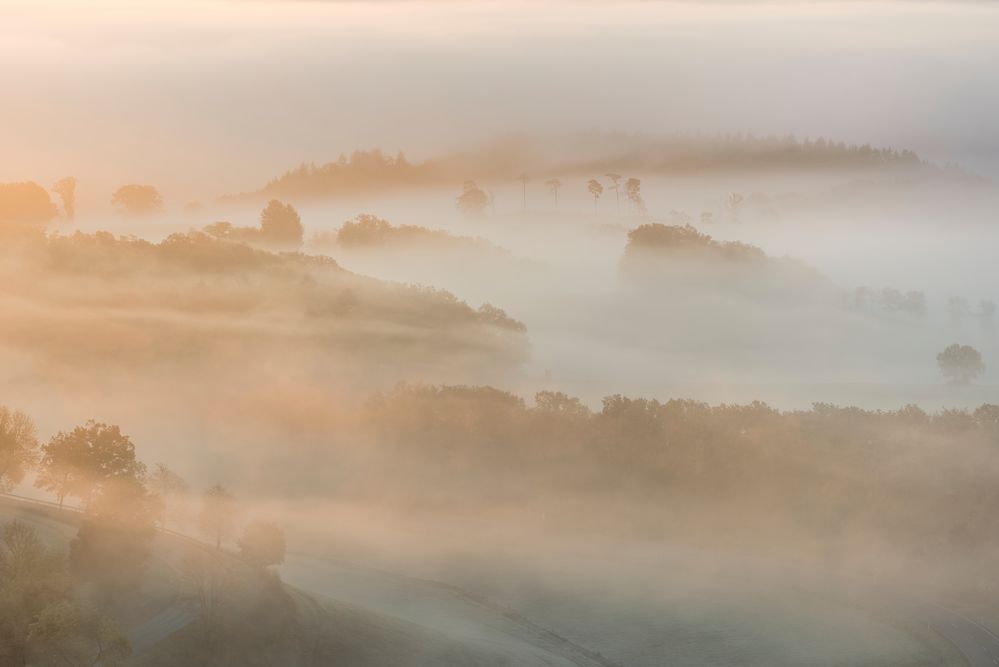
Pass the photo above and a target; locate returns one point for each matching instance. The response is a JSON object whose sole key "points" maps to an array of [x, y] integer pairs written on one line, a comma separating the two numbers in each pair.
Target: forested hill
{"points": [[587, 154]]}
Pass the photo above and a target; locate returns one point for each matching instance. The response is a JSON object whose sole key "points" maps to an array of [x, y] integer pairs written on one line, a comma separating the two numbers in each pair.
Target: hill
{"points": [[592, 154]]}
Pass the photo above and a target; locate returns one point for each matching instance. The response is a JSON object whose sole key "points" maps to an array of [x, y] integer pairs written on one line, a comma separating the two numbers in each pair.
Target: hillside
{"points": [[82, 300], [592, 154], [163, 627]]}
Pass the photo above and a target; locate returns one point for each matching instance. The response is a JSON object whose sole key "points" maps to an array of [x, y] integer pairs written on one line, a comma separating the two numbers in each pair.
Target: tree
{"points": [[170, 487], [554, 184], [616, 187], [18, 447], [473, 200], [595, 190], [25, 202], [66, 189], [524, 180], [113, 543], [210, 582], [218, 514], [280, 225], [40, 622], [633, 189], [734, 203], [137, 200], [80, 463], [262, 543], [960, 363]]}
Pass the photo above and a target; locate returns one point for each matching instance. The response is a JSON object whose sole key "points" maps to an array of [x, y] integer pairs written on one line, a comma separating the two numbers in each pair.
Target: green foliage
{"points": [[40, 621]]}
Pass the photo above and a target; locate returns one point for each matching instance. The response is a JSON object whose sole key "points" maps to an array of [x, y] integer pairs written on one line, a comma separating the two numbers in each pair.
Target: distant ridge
{"points": [[591, 154]]}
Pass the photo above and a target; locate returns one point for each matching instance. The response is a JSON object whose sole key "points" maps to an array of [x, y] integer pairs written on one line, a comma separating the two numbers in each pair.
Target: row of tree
{"points": [[473, 200], [28, 202], [891, 300]]}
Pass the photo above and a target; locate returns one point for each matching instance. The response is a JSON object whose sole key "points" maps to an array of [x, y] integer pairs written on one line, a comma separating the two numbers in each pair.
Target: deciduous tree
{"points": [[80, 463], [960, 363], [18, 447], [137, 200]]}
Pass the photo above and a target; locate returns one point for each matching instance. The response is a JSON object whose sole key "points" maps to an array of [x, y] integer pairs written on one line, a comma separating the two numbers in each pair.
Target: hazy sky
{"points": [[220, 95]]}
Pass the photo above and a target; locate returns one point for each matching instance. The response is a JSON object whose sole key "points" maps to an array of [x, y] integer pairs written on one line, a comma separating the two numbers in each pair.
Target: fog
{"points": [[140, 93], [440, 333]]}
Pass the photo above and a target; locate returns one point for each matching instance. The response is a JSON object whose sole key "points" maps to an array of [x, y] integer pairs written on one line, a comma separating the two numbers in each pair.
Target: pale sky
{"points": [[220, 95]]}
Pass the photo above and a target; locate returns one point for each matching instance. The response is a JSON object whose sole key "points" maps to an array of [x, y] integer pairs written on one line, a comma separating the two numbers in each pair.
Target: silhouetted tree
{"points": [[616, 187], [25, 202], [633, 189], [262, 543], [524, 180], [209, 580], [80, 463], [735, 202], [473, 200], [554, 184], [960, 363], [170, 487], [113, 545], [595, 190], [281, 226], [66, 189], [218, 514], [137, 200], [18, 447]]}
